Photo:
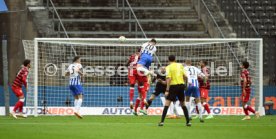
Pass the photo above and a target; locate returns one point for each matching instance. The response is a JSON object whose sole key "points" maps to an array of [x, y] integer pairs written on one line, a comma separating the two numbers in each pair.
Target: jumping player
{"points": [[193, 87], [21, 78], [75, 72], [148, 49], [134, 77], [245, 86]]}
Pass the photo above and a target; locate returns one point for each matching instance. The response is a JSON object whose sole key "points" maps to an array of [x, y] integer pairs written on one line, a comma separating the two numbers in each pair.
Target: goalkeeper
{"points": [[160, 87]]}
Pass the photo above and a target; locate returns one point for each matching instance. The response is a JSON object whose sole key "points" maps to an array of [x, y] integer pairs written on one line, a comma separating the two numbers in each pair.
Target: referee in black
{"points": [[175, 88]]}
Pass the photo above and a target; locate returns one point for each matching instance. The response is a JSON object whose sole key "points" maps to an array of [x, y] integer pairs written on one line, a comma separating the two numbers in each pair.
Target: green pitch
{"points": [[128, 127]]}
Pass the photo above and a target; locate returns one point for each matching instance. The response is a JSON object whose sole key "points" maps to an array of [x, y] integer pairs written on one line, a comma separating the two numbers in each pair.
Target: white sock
{"points": [[163, 100], [199, 106], [188, 105], [144, 70], [171, 109], [75, 104], [79, 104], [175, 109]]}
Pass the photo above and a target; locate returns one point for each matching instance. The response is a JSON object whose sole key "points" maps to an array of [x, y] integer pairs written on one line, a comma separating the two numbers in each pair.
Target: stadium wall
{"points": [[215, 101]]}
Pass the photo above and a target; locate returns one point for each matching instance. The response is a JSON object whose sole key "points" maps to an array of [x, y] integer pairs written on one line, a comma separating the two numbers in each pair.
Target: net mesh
{"points": [[103, 60]]}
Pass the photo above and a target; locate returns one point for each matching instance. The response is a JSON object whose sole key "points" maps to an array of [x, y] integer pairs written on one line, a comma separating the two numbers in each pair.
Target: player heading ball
{"points": [[148, 49]]}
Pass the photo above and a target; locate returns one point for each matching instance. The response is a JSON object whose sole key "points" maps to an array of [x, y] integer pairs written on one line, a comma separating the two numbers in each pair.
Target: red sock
{"points": [[142, 105], [17, 105], [206, 107], [21, 106], [131, 93], [250, 109], [245, 111], [197, 111], [137, 104]]}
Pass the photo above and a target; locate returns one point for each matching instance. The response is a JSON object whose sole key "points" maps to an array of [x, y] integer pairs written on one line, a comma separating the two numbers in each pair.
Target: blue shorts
{"points": [[76, 89], [193, 91], [145, 60]]}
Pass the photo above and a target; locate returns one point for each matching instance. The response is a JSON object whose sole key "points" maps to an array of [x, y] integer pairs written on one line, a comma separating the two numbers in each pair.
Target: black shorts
{"points": [[176, 92], [158, 90]]}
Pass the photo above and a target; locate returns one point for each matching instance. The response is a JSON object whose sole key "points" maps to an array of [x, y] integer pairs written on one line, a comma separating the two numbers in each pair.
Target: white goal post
{"points": [[106, 83]]}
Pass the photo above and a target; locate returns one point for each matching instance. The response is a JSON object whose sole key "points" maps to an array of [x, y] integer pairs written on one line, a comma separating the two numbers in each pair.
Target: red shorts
{"points": [[245, 98], [133, 76], [204, 93], [17, 91]]}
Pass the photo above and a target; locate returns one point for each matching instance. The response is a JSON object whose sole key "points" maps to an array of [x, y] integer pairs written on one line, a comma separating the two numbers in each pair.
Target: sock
{"points": [[175, 109], [245, 110], [142, 105], [21, 105], [188, 107], [137, 104], [171, 109], [79, 105], [75, 104], [149, 103], [186, 114], [17, 105], [251, 109], [199, 110], [165, 110], [131, 94], [206, 107]]}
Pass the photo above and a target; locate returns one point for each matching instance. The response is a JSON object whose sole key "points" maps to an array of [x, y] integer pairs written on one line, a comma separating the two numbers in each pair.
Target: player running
{"points": [[245, 86], [75, 72], [21, 78], [160, 87], [193, 87], [134, 77], [204, 89]]}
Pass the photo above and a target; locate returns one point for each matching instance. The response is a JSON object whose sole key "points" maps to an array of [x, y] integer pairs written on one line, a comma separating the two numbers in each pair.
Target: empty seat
{"points": [[264, 15], [261, 27], [267, 21], [266, 3], [257, 21], [248, 8], [245, 3], [273, 33], [259, 9], [252, 15], [272, 28], [255, 3], [270, 9]]}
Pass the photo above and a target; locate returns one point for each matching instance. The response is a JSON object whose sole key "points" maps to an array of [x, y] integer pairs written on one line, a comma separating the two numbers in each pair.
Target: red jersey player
{"points": [[245, 86], [21, 79], [134, 77], [204, 87]]}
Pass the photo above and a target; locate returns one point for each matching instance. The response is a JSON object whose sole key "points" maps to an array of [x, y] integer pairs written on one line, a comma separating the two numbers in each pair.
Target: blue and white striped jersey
{"points": [[75, 78], [149, 49], [193, 73]]}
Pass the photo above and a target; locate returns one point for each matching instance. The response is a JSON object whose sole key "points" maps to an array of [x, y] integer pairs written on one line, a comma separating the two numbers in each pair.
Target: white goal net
{"points": [[106, 83]]}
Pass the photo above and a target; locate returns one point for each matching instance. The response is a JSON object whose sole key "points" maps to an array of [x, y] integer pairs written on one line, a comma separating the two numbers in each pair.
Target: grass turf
{"points": [[120, 127]]}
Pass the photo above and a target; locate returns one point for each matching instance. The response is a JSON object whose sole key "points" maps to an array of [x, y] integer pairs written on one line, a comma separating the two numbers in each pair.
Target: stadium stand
{"points": [[260, 23], [109, 18]]}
